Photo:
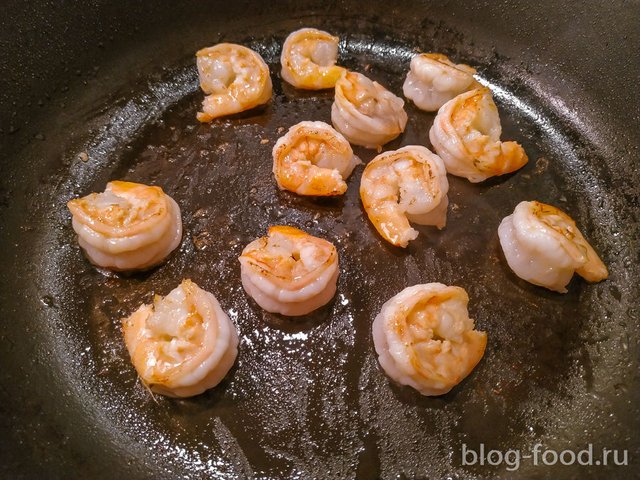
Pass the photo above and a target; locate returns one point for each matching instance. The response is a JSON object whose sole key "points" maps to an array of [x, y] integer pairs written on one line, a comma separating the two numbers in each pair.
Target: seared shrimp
{"points": [[129, 226], [543, 246], [182, 344], [289, 271], [408, 184], [313, 159], [466, 135], [235, 79], [308, 59], [433, 80], [425, 339], [365, 112]]}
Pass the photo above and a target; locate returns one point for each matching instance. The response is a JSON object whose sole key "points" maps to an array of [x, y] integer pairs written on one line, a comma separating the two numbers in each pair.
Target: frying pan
{"points": [[116, 81]]}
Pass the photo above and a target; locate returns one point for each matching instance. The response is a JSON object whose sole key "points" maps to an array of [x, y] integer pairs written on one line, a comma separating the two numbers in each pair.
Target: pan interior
{"points": [[307, 398]]}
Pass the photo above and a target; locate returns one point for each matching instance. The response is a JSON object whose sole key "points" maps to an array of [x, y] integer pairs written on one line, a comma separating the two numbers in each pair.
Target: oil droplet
{"points": [[202, 240], [48, 301]]}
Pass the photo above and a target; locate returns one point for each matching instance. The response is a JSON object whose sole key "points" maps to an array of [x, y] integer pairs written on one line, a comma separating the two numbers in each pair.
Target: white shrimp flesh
{"points": [[433, 80], [289, 271], [425, 339], [309, 58], [402, 186], [466, 135], [365, 112], [129, 226], [313, 159], [543, 246], [235, 79], [182, 344]]}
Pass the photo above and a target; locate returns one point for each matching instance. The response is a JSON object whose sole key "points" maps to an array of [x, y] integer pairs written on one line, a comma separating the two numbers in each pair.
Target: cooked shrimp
{"points": [[365, 112], [433, 80], [313, 159], [289, 271], [182, 344], [543, 246], [308, 59], [466, 135], [408, 184], [130, 226], [235, 79], [425, 339]]}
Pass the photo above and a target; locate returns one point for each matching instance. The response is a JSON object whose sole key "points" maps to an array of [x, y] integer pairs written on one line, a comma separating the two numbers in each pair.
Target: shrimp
{"points": [[308, 59], [466, 135], [313, 159], [289, 271], [543, 246], [235, 79], [130, 226], [433, 80], [408, 184], [182, 344], [424, 338], [365, 112]]}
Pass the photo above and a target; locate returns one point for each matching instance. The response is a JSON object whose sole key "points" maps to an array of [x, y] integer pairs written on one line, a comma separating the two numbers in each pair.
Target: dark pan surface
{"points": [[307, 398]]}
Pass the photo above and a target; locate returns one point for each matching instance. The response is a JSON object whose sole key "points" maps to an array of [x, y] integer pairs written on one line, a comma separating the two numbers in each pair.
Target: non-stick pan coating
{"points": [[307, 398]]}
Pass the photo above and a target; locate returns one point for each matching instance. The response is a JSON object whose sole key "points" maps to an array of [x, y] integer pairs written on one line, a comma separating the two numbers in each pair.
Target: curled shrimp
{"points": [[289, 271], [365, 112], [235, 79], [308, 59], [408, 184], [543, 246], [129, 226], [313, 159], [424, 338], [466, 135], [182, 344], [433, 80]]}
